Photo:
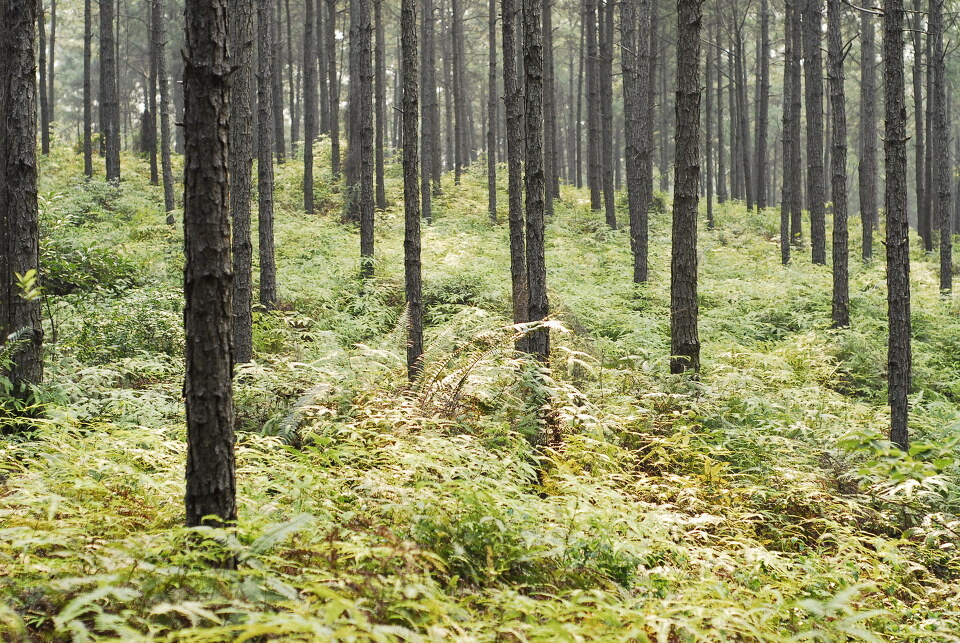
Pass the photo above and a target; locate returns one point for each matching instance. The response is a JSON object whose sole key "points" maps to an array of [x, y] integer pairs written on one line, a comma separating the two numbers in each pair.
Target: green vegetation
{"points": [[757, 503]]}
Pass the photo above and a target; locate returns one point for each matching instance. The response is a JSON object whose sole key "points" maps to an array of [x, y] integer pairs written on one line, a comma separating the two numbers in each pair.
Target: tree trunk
{"points": [[380, 103], [448, 91], [923, 218], [512, 103], [941, 154], [267, 68], [551, 162], [159, 23], [360, 201], [109, 103], [898, 233], [841, 287], [606, 111], [869, 213], [150, 116], [241, 174], [684, 340], [333, 87], [743, 110], [456, 35], [813, 75], [411, 197], [736, 161], [763, 102], [492, 112], [633, 13], [323, 94], [429, 111], [929, 189], [796, 163], [650, 107], [579, 127], [277, 89], [42, 68], [708, 141], [721, 163], [87, 90], [208, 274], [594, 136], [309, 105], [293, 86], [534, 182], [19, 227], [787, 133], [51, 66]]}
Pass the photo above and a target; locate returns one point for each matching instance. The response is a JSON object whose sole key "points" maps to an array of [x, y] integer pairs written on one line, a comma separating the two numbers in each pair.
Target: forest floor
{"points": [[759, 502]]}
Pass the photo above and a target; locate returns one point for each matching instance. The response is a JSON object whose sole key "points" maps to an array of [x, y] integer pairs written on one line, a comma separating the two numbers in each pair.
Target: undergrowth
{"points": [[758, 502]]}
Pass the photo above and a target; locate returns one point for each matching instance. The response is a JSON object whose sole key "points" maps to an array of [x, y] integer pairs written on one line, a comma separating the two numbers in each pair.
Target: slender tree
{"points": [[869, 214], [51, 64], [836, 54], [898, 236], [333, 87], [796, 94], [109, 102], [788, 141], [550, 141], [594, 137], [411, 196], [492, 112], [87, 90], [605, 10], [923, 212], [267, 68], [514, 127], [42, 68], [631, 13], [309, 105], [941, 154], [534, 180], [812, 17], [380, 102], [359, 202], [429, 112], [763, 100], [19, 227], [708, 141], [277, 87], [208, 389], [684, 339]]}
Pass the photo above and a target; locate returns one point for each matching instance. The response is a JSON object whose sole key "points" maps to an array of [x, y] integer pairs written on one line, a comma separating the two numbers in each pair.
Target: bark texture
{"points": [[867, 172], [514, 115], [813, 75], [631, 12], [109, 102], [838, 185], [208, 274], [267, 68], [411, 187], [941, 155]]}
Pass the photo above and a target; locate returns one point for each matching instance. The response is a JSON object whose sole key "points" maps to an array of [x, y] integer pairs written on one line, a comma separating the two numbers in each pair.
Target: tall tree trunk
{"points": [[42, 67], [534, 182], [87, 90], [109, 103], [869, 213], [456, 35], [898, 234], [380, 102], [787, 133], [650, 107], [941, 154], [923, 218], [579, 125], [796, 163], [19, 226], [333, 87], [708, 141], [292, 85], [309, 105], [159, 23], [763, 102], [841, 287], [448, 94], [605, 11], [632, 14], [736, 161], [492, 112], [551, 162], [813, 75], [743, 110], [323, 93], [241, 174], [664, 127], [721, 163], [684, 339], [411, 197], [594, 136], [360, 150], [150, 116], [929, 189], [429, 111], [268, 67], [208, 274], [512, 103], [277, 89], [51, 64]]}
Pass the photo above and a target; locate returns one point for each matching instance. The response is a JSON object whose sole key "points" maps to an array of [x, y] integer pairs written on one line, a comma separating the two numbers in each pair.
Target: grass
{"points": [[759, 502]]}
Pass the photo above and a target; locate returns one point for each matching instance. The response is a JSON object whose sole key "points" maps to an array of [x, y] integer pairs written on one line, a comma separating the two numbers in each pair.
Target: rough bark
{"points": [[277, 89], [512, 103], [838, 185], [241, 174], [898, 235], [42, 68], [150, 115], [684, 339], [429, 112], [594, 136], [492, 112], [309, 105], [606, 111], [534, 180], [721, 154], [796, 94], [941, 155], [456, 35], [708, 140], [211, 485], [411, 196], [787, 133], [267, 68], [580, 69], [87, 89], [763, 103], [109, 103], [333, 87], [359, 202], [813, 76], [869, 211], [551, 155], [293, 86], [631, 13], [19, 228], [380, 103], [651, 102], [51, 65], [923, 213]]}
